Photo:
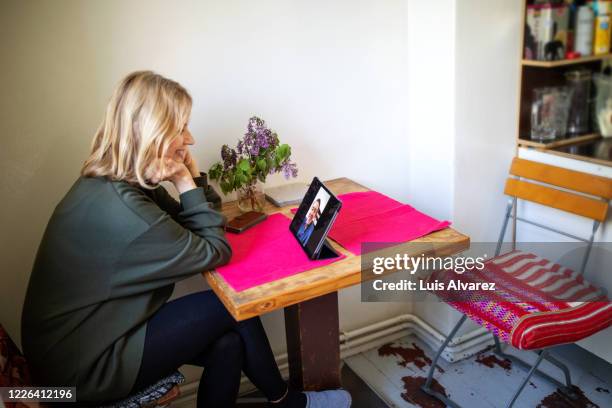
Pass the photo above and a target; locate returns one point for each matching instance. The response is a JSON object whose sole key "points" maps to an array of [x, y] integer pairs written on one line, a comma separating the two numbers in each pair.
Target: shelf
{"points": [[601, 162], [597, 151], [558, 143], [561, 63]]}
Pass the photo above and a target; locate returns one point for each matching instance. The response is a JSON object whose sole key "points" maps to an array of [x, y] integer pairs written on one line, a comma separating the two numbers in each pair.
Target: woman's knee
{"points": [[229, 345], [225, 351], [229, 342]]}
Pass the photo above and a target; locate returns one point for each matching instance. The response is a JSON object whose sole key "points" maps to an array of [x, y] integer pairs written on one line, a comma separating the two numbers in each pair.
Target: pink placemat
{"points": [[373, 217], [265, 253]]}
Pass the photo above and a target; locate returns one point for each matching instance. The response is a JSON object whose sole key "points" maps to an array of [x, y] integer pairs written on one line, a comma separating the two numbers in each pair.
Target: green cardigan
{"points": [[107, 262]]}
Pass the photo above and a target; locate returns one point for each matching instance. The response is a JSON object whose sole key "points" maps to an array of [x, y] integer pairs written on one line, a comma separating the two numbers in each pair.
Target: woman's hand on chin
{"points": [[191, 164], [176, 172]]}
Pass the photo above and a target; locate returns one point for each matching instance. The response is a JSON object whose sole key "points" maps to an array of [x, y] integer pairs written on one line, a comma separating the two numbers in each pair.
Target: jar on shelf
{"points": [[549, 112], [579, 83], [602, 114]]}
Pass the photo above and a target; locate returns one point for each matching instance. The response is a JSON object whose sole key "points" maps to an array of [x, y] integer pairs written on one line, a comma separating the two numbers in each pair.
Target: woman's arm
{"points": [[167, 203], [170, 249]]}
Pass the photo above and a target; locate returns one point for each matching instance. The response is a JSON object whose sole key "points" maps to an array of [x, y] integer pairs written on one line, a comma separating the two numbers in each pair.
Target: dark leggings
{"points": [[198, 330]]}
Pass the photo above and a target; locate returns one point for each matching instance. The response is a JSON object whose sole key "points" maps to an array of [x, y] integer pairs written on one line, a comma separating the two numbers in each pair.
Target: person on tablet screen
{"points": [[98, 314], [305, 230]]}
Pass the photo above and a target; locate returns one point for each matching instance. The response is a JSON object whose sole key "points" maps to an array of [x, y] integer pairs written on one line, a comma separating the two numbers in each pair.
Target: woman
{"points": [[95, 314]]}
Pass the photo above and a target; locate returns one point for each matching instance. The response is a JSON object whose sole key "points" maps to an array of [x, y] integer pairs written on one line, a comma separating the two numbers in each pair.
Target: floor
{"points": [[361, 394], [395, 372]]}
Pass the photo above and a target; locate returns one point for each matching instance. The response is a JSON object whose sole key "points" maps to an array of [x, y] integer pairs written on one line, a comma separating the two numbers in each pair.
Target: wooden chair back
{"points": [[567, 190]]}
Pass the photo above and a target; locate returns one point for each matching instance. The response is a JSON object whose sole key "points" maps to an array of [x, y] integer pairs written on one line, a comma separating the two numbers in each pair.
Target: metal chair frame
{"points": [[543, 354]]}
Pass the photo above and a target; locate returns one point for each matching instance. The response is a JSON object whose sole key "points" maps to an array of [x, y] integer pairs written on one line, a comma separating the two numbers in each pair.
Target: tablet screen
{"points": [[314, 217]]}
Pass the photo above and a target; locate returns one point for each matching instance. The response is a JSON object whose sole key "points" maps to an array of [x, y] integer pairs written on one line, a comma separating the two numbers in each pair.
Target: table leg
{"points": [[313, 344]]}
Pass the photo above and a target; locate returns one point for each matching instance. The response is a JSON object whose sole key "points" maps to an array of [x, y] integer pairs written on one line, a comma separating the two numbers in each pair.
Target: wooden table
{"points": [[310, 300]]}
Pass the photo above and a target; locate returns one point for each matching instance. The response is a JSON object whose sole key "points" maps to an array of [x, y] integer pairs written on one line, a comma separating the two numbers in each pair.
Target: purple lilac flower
{"points": [[224, 152], [253, 147], [258, 143], [262, 138], [289, 169], [229, 157], [255, 123], [257, 138]]}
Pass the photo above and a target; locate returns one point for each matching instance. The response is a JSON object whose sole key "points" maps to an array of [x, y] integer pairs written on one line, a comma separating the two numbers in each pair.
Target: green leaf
{"points": [[286, 149], [270, 163], [244, 178], [215, 171], [261, 164], [225, 187], [283, 152], [282, 155], [244, 165], [236, 181]]}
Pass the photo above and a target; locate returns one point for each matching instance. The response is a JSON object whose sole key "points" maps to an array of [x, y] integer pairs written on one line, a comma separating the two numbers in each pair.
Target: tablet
{"points": [[313, 220]]}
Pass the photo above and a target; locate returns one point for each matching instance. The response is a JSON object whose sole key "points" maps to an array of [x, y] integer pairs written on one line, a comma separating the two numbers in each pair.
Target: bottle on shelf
{"points": [[601, 42], [602, 30], [583, 39], [554, 31], [546, 31]]}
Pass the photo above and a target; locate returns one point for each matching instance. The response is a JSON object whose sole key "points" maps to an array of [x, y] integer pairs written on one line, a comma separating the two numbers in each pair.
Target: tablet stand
{"points": [[327, 251]]}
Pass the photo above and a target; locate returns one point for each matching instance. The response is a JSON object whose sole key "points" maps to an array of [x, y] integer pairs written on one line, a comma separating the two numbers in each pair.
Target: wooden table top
{"points": [[319, 281]]}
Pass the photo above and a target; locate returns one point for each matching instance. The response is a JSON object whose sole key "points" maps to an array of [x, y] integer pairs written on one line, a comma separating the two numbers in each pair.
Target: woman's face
{"points": [[312, 213], [178, 148]]}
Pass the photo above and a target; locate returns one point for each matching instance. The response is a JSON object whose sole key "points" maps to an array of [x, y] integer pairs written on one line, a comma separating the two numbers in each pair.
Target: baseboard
{"points": [[372, 336]]}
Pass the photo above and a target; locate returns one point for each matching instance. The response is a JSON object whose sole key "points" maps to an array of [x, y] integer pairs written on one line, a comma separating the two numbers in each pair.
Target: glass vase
{"points": [[251, 198]]}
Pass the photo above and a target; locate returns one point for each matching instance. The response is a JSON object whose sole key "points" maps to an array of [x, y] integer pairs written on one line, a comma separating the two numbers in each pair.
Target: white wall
{"points": [[431, 122], [329, 77], [431, 100], [487, 82], [483, 38]]}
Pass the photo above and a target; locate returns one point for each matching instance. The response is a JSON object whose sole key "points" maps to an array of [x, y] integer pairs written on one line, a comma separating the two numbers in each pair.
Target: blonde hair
{"points": [[144, 115]]}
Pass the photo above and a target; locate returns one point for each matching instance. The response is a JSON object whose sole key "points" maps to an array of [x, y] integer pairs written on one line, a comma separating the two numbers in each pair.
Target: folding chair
{"points": [[578, 309], [15, 372]]}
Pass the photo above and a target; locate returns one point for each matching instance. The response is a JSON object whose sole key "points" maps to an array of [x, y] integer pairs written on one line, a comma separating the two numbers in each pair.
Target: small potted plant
{"points": [[256, 155]]}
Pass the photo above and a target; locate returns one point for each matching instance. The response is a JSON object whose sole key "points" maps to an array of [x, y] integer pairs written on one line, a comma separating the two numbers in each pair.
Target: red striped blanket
{"points": [[536, 303]]}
